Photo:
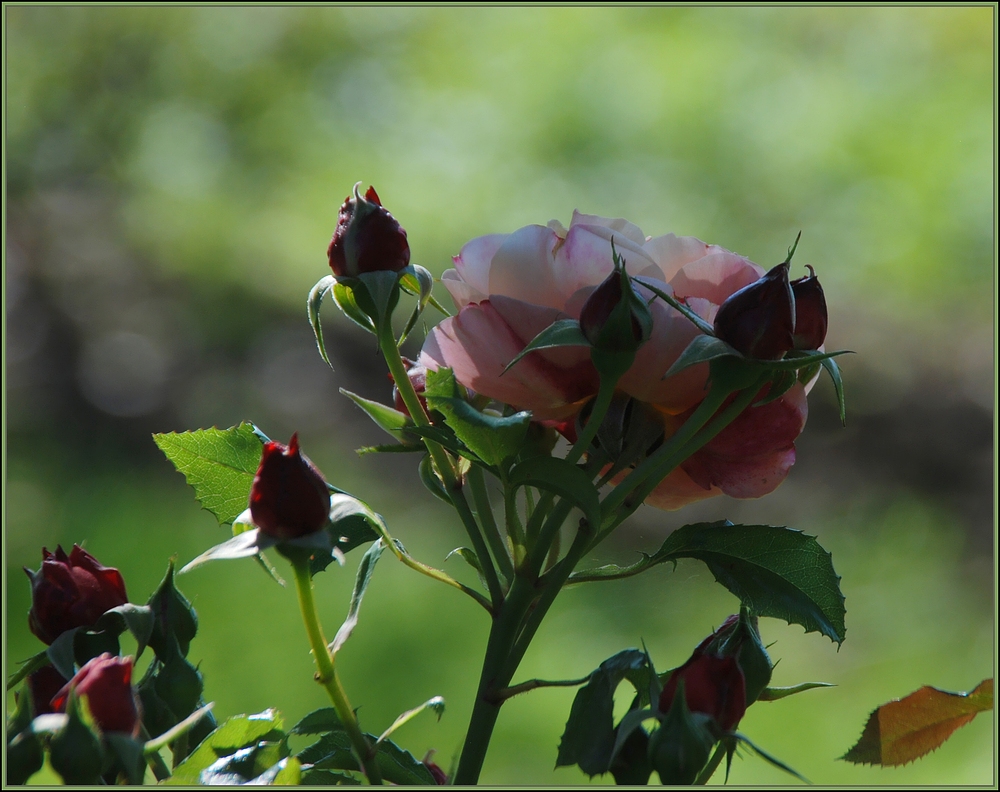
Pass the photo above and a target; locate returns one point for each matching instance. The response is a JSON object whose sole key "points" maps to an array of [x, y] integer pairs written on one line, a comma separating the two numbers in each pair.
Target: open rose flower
{"points": [[510, 287]]}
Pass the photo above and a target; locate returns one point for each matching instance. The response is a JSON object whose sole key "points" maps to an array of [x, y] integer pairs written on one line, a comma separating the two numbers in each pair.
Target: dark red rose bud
{"points": [[601, 329], [367, 239], [71, 591], [43, 685], [759, 319], [418, 379], [713, 686], [440, 777], [810, 312], [106, 682], [289, 497]]}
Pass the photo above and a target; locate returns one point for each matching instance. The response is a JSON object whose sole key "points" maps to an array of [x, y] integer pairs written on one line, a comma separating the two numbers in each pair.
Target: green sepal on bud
{"points": [[616, 321], [680, 748], [742, 641]]}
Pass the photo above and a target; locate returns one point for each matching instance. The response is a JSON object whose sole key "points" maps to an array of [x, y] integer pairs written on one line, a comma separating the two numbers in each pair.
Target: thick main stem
{"points": [[326, 673], [493, 679]]}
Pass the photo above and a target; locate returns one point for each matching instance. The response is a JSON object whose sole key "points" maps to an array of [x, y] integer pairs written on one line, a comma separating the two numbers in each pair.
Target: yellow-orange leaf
{"points": [[905, 729]]}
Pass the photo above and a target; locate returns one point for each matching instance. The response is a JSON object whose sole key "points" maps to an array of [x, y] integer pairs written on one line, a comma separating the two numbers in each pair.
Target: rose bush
{"points": [[510, 287]]}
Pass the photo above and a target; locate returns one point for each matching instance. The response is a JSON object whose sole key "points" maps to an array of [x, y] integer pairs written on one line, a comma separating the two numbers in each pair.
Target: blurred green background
{"points": [[173, 177]]}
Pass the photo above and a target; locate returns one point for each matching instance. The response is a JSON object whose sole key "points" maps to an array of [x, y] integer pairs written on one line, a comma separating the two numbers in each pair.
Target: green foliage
{"points": [[562, 332], [219, 464], [313, 303], [365, 569], [589, 737], [387, 418], [236, 733], [562, 478], [491, 438], [75, 750], [775, 571]]}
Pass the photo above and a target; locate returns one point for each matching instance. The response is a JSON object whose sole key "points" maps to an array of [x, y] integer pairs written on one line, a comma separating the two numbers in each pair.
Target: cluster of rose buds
{"points": [[67, 592], [772, 316]]}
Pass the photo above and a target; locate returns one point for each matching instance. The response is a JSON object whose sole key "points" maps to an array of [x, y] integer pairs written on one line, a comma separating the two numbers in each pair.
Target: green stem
{"points": [[712, 766], [551, 585], [704, 412], [484, 509], [534, 684], [327, 674], [492, 680], [694, 434], [443, 463]]}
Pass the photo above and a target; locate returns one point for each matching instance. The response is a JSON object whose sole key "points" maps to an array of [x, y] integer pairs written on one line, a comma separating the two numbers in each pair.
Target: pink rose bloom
{"points": [[510, 287]]}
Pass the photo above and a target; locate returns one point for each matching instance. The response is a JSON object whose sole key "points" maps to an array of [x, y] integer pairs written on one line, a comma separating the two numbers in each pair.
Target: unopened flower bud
{"points": [[289, 497], [713, 686], [759, 319], [106, 682], [810, 312], [739, 637], [367, 239], [418, 379], [42, 686], [609, 324], [71, 591], [679, 749], [440, 776]]}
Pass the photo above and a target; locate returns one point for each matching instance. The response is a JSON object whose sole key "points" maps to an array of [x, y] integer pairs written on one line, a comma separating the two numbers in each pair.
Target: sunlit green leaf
{"points": [[219, 464]]}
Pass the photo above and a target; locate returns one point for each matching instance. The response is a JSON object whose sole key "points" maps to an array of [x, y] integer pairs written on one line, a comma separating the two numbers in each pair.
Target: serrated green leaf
{"points": [[219, 464], [238, 732], [774, 571], [365, 569], [564, 332], [399, 766], [313, 303], [387, 418], [318, 722], [333, 752], [589, 737], [564, 479], [492, 439], [314, 776], [702, 349]]}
